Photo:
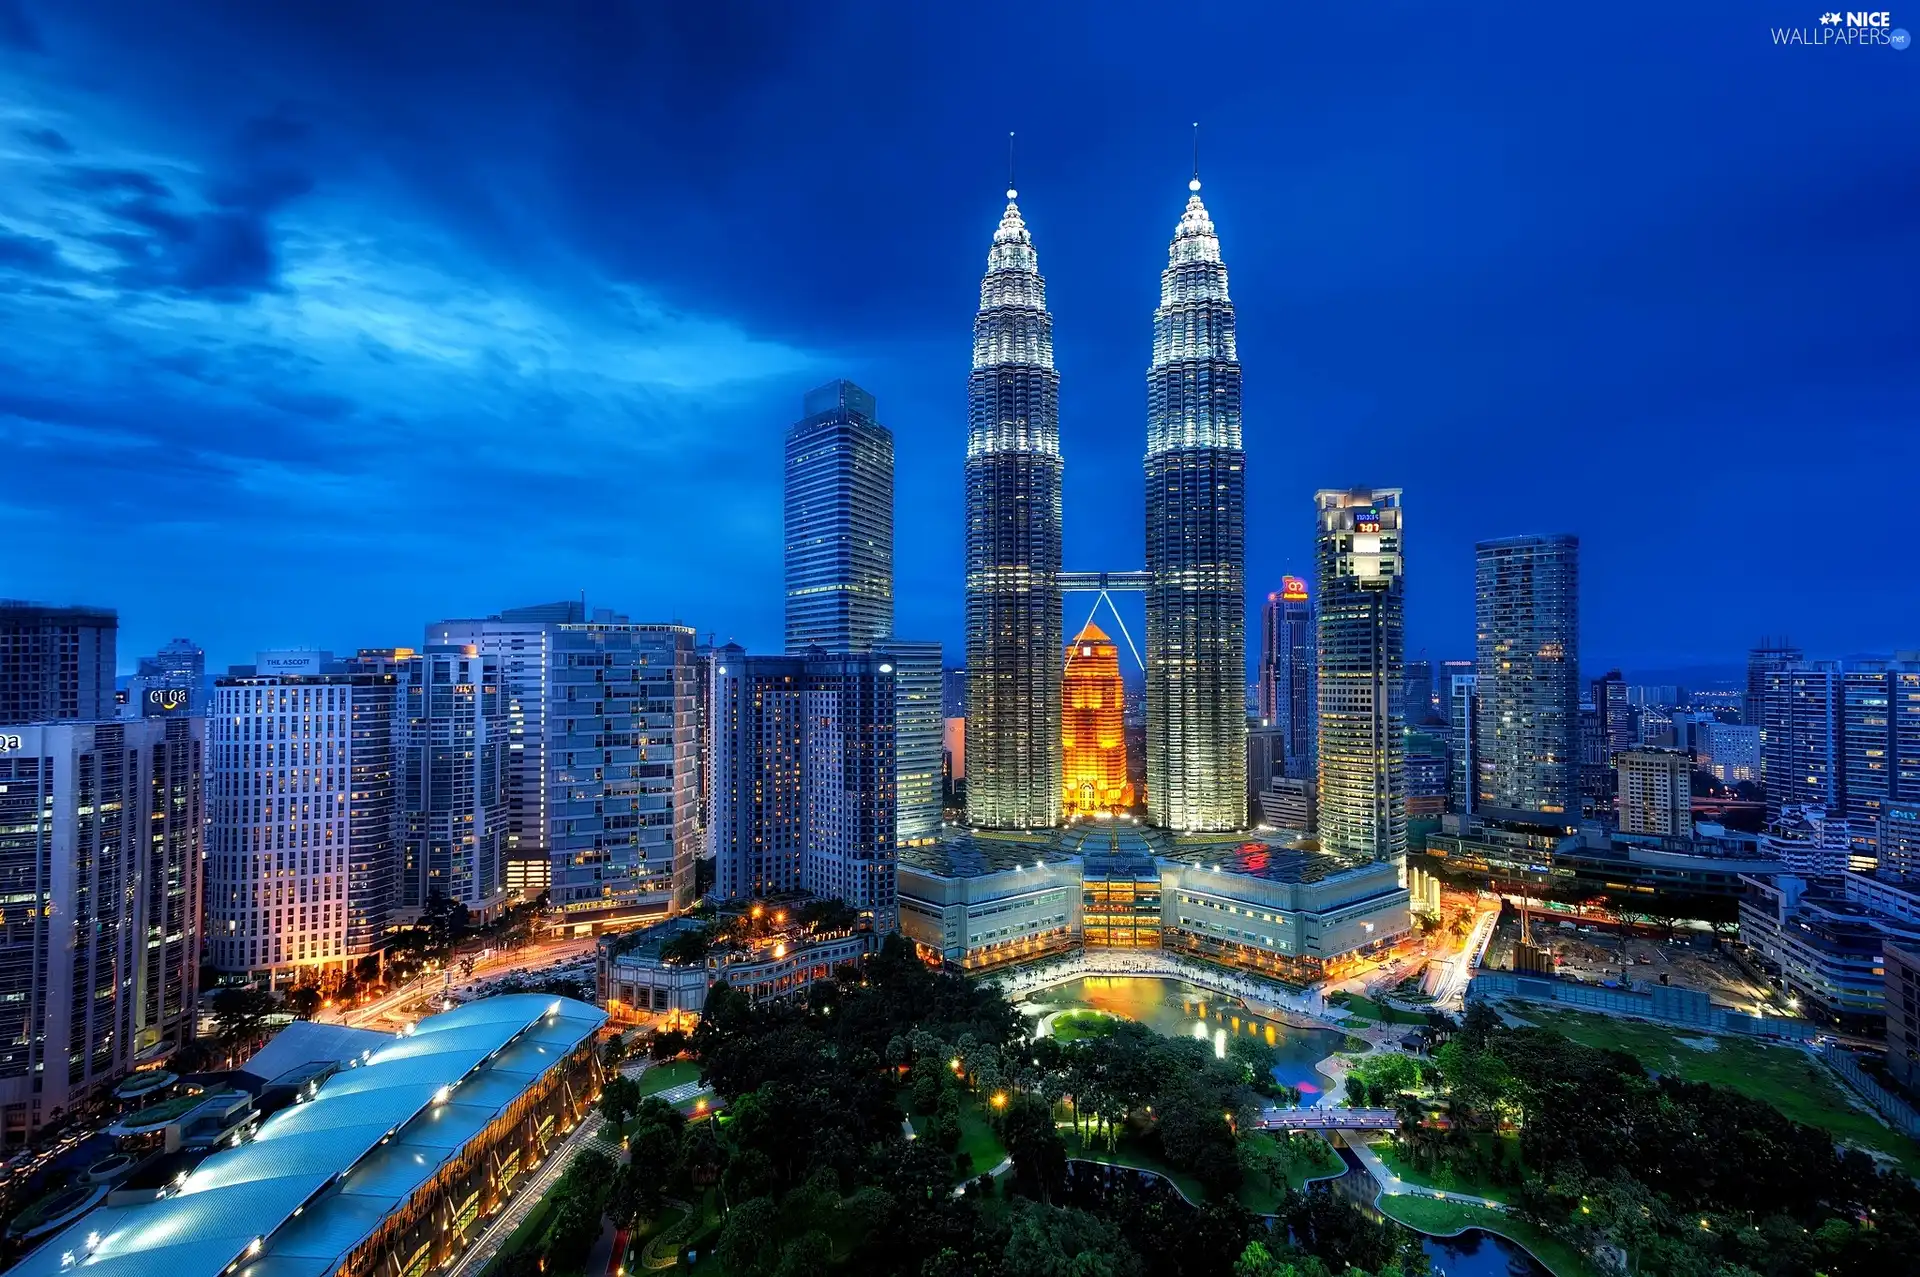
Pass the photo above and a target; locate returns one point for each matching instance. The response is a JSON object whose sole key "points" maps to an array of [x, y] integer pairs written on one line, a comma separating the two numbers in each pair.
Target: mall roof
{"points": [[967, 853], [317, 1178]]}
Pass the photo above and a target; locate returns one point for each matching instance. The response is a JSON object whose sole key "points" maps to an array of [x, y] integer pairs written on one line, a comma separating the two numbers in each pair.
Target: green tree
{"points": [[1033, 1142], [749, 1242], [303, 1001]]}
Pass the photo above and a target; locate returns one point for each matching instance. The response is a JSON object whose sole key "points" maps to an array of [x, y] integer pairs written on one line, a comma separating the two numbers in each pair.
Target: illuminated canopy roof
{"points": [[318, 1177]]}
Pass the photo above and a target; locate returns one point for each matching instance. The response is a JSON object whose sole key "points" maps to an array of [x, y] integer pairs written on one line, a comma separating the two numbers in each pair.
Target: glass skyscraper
{"points": [[1196, 543], [1014, 468], [1362, 646], [1287, 697], [1527, 730], [839, 522]]}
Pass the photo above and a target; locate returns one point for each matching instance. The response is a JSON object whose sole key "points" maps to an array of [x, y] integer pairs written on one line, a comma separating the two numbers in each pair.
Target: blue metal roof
{"points": [[316, 1179]]}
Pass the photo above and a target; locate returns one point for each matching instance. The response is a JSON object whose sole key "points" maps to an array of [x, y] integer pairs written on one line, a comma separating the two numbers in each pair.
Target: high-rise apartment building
{"points": [[101, 829], [1618, 728], [803, 754], [521, 640], [56, 663], [1527, 625], [1801, 717], [623, 771], [1770, 655], [1362, 810], [1287, 699], [1196, 542], [919, 738], [839, 522], [1014, 472], [456, 744], [1880, 740], [1463, 770], [306, 823], [1416, 691], [1656, 792], [1731, 751], [1093, 739]]}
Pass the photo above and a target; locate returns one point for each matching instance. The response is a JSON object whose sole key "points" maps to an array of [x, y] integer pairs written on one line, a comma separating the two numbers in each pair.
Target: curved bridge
{"points": [[1328, 1119]]}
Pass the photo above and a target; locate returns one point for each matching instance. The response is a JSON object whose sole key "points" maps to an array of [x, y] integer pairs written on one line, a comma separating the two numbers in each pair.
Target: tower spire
{"points": [[1194, 185], [1011, 192]]}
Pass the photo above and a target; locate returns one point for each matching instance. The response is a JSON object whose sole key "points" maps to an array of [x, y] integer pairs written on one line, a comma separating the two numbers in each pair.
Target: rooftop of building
{"points": [[971, 853], [319, 1177], [1257, 857]]}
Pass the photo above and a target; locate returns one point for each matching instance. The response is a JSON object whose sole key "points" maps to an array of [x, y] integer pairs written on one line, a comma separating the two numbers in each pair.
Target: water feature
{"points": [[1473, 1253], [1176, 1008]]}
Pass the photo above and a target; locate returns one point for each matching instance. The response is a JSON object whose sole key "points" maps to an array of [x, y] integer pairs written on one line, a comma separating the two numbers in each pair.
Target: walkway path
{"points": [[1392, 1184], [1327, 1118], [488, 1242]]}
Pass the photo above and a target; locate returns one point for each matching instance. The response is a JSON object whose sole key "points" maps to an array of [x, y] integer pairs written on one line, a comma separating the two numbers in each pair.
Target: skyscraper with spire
{"points": [[1196, 538], [1014, 652]]}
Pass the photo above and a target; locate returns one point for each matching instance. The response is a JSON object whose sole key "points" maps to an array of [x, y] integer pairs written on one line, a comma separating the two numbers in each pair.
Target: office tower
{"points": [[1362, 811], [1013, 543], [919, 732], [1656, 792], [1527, 627], [839, 522], [1899, 839], [1443, 681], [455, 745], [1093, 742], [1196, 543], [307, 824], [804, 769], [1770, 655], [1287, 698], [1618, 727], [705, 658], [172, 681], [1424, 756], [1463, 770], [101, 853], [953, 693], [623, 770], [1416, 691], [56, 663], [1880, 741], [1731, 751], [1266, 763], [521, 640], [1801, 717]]}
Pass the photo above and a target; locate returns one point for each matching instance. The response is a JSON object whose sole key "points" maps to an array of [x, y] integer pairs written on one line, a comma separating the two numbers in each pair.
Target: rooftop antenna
{"points": [[1011, 192], [1194, 185]]}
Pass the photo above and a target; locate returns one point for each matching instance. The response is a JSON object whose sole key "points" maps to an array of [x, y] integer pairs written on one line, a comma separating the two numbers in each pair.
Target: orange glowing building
{"points": [[1093, 741]]}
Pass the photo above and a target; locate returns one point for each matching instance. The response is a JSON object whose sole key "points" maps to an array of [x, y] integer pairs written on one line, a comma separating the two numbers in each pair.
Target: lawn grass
{"points": [[1444, 1219], [977, 1138], [1071, 1026], [1446, 1178], [1263, 1197], [673, 1073], [1783, 1076], [1367, 1008]]}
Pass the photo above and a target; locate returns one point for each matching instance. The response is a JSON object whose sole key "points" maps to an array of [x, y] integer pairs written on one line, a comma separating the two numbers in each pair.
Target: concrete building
{"points": [[1361, 646], [56, 663], [456, 747], [804, 769], [1731, 751], [101, 828], [392, 1165], [623, 772], [1899, 839], [976, 900], [1656, 792], [839, 522], [1902, 998], [306, 823], [1826, 939], [1703, 873], [639, 982], [171, 681], [1286, 804], [521, 640], [1802, 708]]}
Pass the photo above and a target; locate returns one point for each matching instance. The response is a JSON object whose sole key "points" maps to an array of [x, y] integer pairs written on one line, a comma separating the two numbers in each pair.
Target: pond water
{"points": [[1477, 1253], [1176, 1008]]}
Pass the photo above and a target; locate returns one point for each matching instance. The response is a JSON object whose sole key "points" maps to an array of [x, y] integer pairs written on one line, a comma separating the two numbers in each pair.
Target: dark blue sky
{"points": [[325, 319]]}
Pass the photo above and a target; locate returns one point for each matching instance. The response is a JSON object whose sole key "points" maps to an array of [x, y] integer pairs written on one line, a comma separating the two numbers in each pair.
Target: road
{"points": [[1453, 973], [489, 1241], [1391, 1183], [400, 1004]]}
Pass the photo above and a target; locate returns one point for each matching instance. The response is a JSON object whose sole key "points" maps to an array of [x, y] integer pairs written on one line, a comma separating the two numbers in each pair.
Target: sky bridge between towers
{"points": [[1103, 584]]}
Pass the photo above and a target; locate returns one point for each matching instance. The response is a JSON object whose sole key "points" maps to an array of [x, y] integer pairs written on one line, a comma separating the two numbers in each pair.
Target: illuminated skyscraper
{"points": [[1527, 733], [1362, 645], [1093, 741], [1286, 672], [839, 522], [1196, 534], [1013, 544]]}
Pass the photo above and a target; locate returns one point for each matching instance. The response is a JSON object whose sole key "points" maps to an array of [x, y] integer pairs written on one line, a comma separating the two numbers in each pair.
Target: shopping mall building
{"points": [[979, 900]]}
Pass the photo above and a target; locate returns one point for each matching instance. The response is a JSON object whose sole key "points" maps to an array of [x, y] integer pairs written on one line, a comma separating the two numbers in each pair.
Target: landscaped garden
{"points": [[1444, 1219]]}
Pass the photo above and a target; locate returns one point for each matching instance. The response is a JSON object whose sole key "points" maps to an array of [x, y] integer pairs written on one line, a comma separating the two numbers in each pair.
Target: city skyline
{"points": [[1683, 277]]}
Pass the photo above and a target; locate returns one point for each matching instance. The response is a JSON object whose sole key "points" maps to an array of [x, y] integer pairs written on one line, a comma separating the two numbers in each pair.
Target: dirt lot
{"points": [[1598, 953]]}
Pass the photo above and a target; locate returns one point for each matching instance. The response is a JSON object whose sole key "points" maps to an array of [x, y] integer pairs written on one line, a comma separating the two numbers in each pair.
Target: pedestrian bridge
{"points": [[1328, 1119]]}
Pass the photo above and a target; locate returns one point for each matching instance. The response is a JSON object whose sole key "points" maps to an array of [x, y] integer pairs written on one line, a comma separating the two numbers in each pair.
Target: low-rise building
{"points": [[1825, 938], [976, 900], [644, 975], [1595, 864], [1903, 1013]]}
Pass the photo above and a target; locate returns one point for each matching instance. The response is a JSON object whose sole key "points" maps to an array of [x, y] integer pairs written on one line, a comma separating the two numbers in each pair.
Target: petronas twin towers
{"points": [[1195, 581]]}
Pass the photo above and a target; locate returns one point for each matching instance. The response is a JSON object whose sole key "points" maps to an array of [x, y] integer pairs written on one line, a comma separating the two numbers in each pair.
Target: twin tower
{"points": [[1195, 578]]}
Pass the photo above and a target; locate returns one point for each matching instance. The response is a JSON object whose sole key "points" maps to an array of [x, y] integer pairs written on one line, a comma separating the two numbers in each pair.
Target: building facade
{"points": [[622, 771], [1362, 811], [919, 732], [456, 745], [1656, 792], [1093, 739], [171, 681], [1527, 732], [101, 828], [1286, 691], [307, 823], [1801, 716], [1196, 542], [839, 522], [1013, 544], [57, 664], [804, 774], [1463, 771], [1731, 751]]}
